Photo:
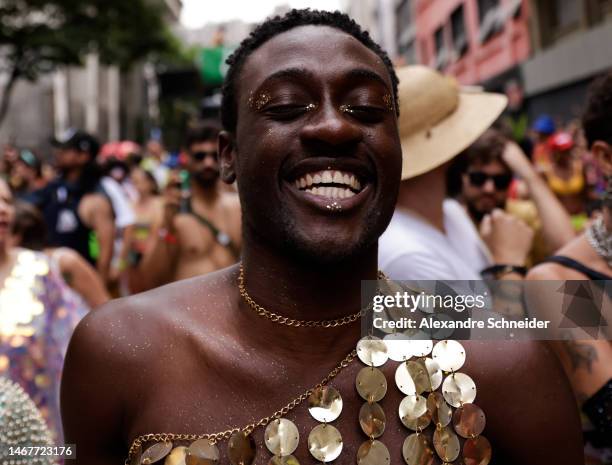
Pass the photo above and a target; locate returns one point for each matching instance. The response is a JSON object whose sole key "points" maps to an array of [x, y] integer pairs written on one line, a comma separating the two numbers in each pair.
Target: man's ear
{"points": [[602, 151], [227, 156]]}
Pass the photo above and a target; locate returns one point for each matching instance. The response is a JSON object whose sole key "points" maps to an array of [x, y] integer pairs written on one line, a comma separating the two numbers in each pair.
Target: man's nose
{"points": [[489, 186], [329, 125], [210, 162]]}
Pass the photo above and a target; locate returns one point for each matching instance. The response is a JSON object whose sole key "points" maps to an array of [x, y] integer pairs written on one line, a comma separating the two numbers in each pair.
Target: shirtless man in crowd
{"points": [[200, 233], [305, 94]]}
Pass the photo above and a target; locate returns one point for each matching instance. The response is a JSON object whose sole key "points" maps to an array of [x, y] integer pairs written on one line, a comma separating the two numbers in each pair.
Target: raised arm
{"points": [[158, 265], [556, 224]]}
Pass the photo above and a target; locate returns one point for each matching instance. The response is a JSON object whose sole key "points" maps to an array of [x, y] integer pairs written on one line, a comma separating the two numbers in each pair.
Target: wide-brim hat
{"points": [[438, 118]]}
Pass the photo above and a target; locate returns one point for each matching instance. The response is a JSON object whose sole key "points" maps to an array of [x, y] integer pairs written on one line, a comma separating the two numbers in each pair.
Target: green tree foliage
{"points": [[36, 36]]}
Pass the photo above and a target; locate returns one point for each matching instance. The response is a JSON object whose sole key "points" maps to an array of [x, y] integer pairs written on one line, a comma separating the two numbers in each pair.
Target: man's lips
{"points": [[334, 184]]}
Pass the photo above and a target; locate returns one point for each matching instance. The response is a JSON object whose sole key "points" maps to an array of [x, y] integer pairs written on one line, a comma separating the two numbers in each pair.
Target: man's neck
{"points": [[288, 287], [424, 195], [205, 194], [4, 256], [73, 175]]}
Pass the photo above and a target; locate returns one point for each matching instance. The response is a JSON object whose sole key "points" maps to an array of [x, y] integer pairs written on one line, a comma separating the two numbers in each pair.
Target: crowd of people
{"points": [[307, 168]]}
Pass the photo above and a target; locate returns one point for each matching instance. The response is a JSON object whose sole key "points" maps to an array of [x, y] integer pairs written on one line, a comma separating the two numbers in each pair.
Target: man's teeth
{"points": [[310, 182], [331, 192]]}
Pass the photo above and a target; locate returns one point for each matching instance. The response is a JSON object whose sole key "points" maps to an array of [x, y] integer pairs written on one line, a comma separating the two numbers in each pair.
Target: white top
{"points": [[413, 249], [124, 213]]}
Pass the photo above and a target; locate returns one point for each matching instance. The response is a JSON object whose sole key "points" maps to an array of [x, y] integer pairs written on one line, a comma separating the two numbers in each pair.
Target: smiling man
{"points": [[311, 136]]}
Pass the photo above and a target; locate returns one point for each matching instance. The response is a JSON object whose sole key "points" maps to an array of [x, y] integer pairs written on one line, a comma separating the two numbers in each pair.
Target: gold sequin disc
{"points": [[421, 347], [372, 351], [373, 453], [372, 419], [155, 453], [458, 389], [281, 437], [177, 456], [449, 354], [241, 449], [399, 347], [412, 407], [202, 452], [419, 424], [417, 450], [469, 420], [371, 384], [477, 451], [434, 372], [404, 381], [440, 411], [446, 443], [286, 460], [426, 374], [325, 404], [325, 443]]}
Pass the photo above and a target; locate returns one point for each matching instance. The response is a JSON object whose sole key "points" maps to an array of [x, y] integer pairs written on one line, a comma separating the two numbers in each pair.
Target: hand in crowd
{"points": [[518, 162], [172, 204], [508, 237]]}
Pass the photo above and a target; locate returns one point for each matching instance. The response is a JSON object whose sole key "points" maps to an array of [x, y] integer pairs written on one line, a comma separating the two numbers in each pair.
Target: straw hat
{"points": [[438, 119]]}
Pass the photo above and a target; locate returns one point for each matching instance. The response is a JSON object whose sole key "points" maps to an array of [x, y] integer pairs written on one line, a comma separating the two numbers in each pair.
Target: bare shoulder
{"points": [[527, 401], [93, 205], [67, 257], [124, 326], [231, 200], [95, 200], [576, 249]]}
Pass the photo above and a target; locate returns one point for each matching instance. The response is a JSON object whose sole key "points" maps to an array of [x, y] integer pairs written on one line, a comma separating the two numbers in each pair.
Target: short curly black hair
{"points": [[597, 117], [277, 25]]}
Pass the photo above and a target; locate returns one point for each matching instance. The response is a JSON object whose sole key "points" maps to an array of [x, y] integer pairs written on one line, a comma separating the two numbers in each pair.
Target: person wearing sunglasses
{"points": [[198, 230], [490, 165]]}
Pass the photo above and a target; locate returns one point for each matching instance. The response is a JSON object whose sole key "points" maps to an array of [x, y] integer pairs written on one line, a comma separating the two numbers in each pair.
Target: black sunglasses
{"points": [[501, 181], [199, 156]]}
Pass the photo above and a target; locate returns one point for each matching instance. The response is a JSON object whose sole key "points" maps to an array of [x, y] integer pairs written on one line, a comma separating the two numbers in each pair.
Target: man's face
{"points": [[317, 150], [485, 187], [155, 149], [7, 212], [69, 159], [204, 163]]}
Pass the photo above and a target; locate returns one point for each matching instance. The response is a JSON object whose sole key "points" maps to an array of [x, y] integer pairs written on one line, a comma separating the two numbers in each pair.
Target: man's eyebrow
{"points": [[303, 73], [364, 73], [288, 73]]}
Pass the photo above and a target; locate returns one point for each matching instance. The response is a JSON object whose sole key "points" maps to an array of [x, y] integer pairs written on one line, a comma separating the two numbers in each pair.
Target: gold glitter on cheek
{"points": [[257, 102], [388, 101]]}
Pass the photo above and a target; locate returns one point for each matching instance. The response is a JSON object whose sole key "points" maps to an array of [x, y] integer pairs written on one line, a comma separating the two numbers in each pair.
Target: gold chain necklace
{"points": [[284, 320]]}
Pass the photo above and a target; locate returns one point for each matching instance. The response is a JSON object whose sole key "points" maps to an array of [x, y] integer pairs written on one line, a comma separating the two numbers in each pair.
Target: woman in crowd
{"points": [[588, 363], [29, 232], [146, 208], [565, 176], [38, 313]]}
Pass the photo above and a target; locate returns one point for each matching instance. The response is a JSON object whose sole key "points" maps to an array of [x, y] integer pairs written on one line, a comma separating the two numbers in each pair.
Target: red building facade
{"points": [[474, 40]]}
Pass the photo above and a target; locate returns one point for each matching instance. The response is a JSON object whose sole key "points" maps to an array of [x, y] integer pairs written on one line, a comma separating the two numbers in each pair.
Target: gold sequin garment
{"points": [[38, 313]]}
